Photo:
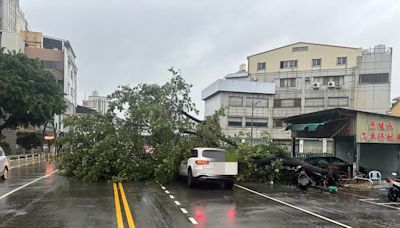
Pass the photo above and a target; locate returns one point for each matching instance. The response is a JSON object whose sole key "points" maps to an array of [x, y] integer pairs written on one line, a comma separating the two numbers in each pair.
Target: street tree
{"points": [[149, 136], [29, 95], [111, 147]]}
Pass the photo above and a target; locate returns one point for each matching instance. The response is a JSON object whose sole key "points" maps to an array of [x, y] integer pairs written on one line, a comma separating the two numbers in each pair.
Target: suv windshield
{"points": [[216, 155]]}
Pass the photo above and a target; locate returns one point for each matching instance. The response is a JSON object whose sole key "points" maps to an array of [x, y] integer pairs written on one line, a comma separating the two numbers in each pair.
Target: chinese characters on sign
{"points": [[380, 131]]}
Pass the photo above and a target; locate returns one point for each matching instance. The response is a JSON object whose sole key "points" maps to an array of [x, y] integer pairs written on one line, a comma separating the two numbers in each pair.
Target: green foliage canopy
{"points": [[112, 148], [29, 95]]}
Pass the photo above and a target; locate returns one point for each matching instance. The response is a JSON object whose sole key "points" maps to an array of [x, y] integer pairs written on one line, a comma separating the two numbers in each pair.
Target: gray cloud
{"points": [[129, 42]]}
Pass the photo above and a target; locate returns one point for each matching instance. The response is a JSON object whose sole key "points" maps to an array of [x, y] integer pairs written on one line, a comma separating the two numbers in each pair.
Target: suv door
{"points": [[183, 167]]}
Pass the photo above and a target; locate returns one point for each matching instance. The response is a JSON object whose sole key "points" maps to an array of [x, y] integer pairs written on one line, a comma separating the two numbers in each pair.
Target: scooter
{"points": [[394, 187]]}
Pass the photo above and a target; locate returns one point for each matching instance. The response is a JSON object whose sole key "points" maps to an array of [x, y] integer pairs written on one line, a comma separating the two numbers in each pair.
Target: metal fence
{"points": [[25, 159]]}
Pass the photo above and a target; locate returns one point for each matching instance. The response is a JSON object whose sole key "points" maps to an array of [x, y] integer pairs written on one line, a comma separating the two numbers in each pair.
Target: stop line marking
{"points": [[294, 207]]}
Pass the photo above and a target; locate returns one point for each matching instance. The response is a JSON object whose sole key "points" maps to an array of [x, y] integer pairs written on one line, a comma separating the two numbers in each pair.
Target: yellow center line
{"points": [[126, 206], [118, 207]]}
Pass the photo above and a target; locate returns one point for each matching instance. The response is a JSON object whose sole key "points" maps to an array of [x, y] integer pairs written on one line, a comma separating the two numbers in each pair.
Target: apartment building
{"points": [[306, 77], [97, 102], [58, 57]]}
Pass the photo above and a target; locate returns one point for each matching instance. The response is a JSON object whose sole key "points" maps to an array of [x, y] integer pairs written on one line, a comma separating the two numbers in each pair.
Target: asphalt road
{"points": [[37, 196]]}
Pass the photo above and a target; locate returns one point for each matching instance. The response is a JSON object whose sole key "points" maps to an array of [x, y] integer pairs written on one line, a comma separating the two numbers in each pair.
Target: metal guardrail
{"points": [[25, 159]]}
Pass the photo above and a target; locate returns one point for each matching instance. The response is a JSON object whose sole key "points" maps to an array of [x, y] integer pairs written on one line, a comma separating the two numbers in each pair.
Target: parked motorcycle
{"points": [[394, 187]]}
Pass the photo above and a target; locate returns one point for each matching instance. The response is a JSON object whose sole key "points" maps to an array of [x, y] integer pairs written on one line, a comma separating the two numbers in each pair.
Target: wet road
{"points": [[37, 196]]}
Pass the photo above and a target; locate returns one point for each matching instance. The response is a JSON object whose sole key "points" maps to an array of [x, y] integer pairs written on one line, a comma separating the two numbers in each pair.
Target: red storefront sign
{"points": [[385, 133]]}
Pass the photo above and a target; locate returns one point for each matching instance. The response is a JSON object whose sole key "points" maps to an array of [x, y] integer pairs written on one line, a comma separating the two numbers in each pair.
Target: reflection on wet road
{"points": [[56, 201]]}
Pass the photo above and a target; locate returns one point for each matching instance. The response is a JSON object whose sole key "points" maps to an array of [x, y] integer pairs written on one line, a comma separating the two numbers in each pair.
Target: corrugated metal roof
{"points": [[238, 86]]}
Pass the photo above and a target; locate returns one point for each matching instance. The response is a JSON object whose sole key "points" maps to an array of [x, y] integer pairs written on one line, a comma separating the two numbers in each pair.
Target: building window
{"points": [[287, 103], [256, 122], [257, 102], [235, 121], [288, 64], [380, 78], [316, 63], [338, 101], [261, 66], [52, 64], [339, 80], [288, 82], [297, 49], [279, 123], [235, 101], [341, 61], [314, 102]]}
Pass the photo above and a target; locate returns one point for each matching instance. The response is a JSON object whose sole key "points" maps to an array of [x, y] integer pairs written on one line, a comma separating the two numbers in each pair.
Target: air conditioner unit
{"points": [[316, 85], [331, 84]]}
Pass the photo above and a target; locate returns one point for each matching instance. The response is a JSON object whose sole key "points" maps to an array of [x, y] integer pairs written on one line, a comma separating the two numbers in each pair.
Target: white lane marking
{"points": [[162, 187], [369, 199], [380, 204], [171, 196], [192, 220], [392, 203], [23, 186], [295, 207], [166, 191], [184, 211], [177, 203]]}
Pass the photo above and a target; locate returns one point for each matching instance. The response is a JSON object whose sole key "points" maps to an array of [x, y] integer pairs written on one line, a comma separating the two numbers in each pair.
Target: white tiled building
{"points": [[300, 78]]}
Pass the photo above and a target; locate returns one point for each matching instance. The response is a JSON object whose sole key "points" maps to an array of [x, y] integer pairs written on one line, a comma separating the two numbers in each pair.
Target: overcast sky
{"points": [[123, 42]]}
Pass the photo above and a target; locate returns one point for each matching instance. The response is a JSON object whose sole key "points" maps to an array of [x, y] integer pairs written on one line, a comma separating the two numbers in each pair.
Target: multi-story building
{"points": [[58, 57], [306, 77], [96, 102], [12, 18], [12, 23]]}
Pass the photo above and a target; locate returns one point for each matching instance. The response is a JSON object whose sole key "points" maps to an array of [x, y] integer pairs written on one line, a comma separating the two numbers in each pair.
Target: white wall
{"points": [[212, 104], [11, 41]]}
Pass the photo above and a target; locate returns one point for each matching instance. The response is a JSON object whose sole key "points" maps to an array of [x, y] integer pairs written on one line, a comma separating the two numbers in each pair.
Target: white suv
{"points": [[209, 164], [3, 165]]}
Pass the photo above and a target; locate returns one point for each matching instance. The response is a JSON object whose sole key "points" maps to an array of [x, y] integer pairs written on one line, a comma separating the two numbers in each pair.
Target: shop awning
{"points": [[304, 127], [310, 126]]}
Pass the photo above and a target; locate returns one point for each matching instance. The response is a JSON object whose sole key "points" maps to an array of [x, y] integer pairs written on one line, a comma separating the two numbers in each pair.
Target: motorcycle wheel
{"points": [[392, 195]]}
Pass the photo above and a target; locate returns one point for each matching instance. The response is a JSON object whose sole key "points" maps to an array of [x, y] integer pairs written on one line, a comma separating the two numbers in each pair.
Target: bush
{"points": [[248, 171]]}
